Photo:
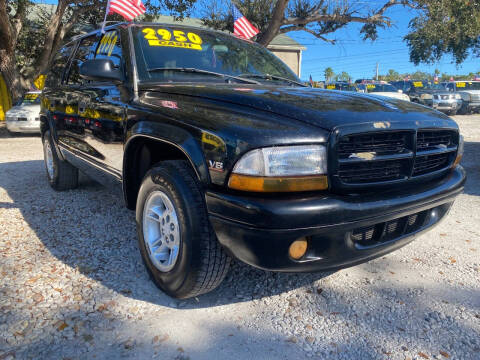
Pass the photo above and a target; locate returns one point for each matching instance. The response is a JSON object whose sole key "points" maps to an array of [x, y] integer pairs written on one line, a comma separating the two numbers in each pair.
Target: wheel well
{"points": [[44, 125], [141, 154]]}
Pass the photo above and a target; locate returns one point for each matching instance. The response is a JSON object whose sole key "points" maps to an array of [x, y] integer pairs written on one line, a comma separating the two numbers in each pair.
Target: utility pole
{"points": [[376, 72]]}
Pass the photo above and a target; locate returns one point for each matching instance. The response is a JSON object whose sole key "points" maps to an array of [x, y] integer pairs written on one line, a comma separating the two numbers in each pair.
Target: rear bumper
{"points": [[23, 126], [259, 231]]}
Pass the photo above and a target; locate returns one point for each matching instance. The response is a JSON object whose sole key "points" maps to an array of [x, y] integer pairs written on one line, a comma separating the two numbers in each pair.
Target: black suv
{"points": [[223, 152]]}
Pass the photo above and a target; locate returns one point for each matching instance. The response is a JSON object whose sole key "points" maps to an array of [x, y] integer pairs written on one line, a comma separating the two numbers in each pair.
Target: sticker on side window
{"points": [[460, 85], [418, 84], [175, 38], [107, 44], [331, 87]]}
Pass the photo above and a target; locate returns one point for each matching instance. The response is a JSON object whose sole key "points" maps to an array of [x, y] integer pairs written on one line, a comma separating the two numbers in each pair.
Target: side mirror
{"points": [[100, 70]]}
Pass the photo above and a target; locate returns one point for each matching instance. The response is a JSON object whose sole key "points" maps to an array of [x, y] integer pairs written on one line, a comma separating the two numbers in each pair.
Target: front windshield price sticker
{"points": [[461, 84], [175, 38], [31, 96], [370, 86], [418, 84], [331, 87]]}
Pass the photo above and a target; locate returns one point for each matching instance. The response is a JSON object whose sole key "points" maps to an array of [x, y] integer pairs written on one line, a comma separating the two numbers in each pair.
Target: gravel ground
{"points": [[73, 286]]}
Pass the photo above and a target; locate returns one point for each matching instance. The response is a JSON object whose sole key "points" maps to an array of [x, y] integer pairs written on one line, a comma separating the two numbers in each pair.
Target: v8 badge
{"points": [[215, 165]]}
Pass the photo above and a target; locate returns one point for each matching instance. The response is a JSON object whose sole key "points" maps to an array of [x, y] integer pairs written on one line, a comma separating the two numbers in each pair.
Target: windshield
{"points": [[373, 88], [341, 86], [161, 49], [31, 99], [433, 86], [468, 85]]}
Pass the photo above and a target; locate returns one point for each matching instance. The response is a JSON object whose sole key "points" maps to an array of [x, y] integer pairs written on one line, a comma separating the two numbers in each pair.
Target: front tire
{"points": [[176, 240], [61, 175]]}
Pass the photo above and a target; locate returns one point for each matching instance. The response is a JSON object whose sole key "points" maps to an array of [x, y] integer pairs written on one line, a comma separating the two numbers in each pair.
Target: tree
{"points": [[329, 74], [317, 17], [392, 75], [441, 27], [444, 27], [27, 47], [343, 76]]}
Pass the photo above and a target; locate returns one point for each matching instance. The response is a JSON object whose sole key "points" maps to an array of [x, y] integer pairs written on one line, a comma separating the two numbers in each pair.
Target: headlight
{"points": [[406, 97], [426, 96], [459, 151], [457, 96], [281, 169]]}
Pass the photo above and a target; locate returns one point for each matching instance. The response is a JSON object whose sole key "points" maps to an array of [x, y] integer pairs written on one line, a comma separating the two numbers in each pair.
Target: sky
{"points": [[358, 57]]}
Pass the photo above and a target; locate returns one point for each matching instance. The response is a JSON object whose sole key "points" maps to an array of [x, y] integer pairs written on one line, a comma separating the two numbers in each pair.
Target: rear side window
{"points": [[84, 52], [55, 75]]}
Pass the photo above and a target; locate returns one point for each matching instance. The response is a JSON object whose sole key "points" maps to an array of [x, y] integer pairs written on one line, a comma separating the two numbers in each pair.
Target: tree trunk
{"points": [[275, 23], [51, 37], [12, 79]]}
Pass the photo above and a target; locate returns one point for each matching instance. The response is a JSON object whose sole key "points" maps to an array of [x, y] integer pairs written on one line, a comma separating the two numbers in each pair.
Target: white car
{"points": [[383, 89], [469, 92], [25, 117]]}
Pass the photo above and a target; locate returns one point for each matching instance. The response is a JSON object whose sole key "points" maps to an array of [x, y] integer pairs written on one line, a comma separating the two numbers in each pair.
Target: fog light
{"points": [[298, 248]]}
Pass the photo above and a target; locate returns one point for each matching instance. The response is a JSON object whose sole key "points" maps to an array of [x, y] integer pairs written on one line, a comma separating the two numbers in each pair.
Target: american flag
{"points": [[129, 9], [241, 26], [311, 81]]}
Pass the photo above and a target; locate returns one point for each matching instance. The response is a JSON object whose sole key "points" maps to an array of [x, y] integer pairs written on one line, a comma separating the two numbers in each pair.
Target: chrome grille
{"points": [[428, 140], [381, 143], [383, 157], [429, 163], [373, 171]]}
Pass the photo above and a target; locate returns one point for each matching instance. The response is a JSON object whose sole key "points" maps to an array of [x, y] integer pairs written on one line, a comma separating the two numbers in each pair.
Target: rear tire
{"points": [[197, 263], [462, 111], [61, 175]]}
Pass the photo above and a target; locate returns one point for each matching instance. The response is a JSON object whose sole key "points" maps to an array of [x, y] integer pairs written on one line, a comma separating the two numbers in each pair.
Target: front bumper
{"points": [[447, 104], [24, 126], [259, 231], [472, 105]]}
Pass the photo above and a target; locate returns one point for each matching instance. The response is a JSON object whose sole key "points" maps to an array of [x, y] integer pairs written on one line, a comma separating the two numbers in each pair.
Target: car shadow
{"points": [[89, 229], [471, 163]]}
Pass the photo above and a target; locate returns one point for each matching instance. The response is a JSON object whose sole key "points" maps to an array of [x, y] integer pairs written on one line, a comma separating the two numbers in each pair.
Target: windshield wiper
{"points": [[271, 77], [205, 72]]}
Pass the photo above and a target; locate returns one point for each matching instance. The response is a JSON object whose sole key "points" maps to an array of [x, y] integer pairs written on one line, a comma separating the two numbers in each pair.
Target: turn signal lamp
{"points": [[459, 152]]}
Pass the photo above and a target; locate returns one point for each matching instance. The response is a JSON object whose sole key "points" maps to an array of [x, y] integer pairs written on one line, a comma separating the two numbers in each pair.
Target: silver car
{"points": [[24, 117]]}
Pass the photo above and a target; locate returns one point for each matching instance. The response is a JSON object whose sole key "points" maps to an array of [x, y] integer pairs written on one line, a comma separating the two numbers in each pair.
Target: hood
{"points": [[433, 91], [327, 109], [393, 95], [476, 92], [25, 110]]}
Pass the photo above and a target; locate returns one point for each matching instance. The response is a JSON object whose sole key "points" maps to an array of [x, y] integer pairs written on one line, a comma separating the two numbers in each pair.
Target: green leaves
{"points": [[445, 27]]}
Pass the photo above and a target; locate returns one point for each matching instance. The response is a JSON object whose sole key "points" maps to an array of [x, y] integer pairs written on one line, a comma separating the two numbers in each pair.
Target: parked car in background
{"points": [[469, 91], [382, 88], [341, 85], [431, 94], [25, 117]]}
